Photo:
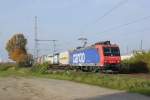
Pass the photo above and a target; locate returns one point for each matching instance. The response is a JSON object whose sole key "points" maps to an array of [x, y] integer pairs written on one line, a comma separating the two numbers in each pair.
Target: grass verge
{"points": [[120, 82]]}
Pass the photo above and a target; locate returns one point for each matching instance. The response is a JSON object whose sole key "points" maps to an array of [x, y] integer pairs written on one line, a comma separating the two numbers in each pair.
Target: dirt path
{"points": [[19, 88]]}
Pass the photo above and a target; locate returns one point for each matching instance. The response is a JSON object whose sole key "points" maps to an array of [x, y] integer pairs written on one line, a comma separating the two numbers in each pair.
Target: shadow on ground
{"points": [[118, 96]]}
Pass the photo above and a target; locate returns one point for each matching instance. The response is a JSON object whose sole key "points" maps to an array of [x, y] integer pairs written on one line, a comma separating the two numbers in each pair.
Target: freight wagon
{"points": [[52, 59]]}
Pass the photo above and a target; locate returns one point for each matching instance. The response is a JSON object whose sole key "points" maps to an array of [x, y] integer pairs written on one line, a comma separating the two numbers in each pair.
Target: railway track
{"points": [[59, 68]]}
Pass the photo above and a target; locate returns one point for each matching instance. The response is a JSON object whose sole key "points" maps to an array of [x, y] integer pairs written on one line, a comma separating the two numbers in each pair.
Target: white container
{"points": [[49, 59], [64, 58], [56, 59], [43, 59]]}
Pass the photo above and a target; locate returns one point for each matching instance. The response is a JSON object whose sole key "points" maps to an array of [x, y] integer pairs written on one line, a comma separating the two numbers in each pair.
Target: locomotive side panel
{"points": [[85, 57]]}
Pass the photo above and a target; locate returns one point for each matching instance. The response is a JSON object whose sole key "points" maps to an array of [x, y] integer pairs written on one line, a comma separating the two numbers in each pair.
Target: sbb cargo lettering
{"points": [[79, 58], [84, 57]]}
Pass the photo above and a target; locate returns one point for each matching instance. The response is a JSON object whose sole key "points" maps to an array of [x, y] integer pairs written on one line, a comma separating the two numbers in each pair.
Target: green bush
{"points": [[139, 67], [40, 68], [140, 63], [125, 66]]}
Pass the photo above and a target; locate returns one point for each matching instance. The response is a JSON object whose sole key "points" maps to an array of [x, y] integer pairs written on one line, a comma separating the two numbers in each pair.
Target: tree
{"points": [[16, 48]]}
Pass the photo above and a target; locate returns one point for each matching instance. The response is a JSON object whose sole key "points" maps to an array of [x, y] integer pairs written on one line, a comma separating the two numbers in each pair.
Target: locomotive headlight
{"points": [[118, 61]]}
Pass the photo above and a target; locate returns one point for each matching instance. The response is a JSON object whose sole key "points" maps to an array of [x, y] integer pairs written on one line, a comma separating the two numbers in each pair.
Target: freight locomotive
{"points": [[100, 56]]}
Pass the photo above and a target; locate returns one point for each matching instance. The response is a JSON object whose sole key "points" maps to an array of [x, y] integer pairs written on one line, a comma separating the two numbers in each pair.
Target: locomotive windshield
{"points": [[111, 51]]}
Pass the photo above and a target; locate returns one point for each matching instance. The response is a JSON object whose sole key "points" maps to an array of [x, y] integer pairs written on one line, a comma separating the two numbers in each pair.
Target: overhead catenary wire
{"points": [[111, 10], [105, 14], [54, 44], [126, 24]]}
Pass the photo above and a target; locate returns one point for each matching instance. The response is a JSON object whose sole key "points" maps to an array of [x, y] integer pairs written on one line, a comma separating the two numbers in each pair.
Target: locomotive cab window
{"points": [[111, 51], [107, 51], [115, 51]]}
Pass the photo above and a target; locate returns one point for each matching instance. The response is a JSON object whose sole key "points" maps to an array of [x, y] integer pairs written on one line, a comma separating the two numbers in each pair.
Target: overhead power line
{"points": [[54, 44], [107, 13], [126, 24], [111, 10]]}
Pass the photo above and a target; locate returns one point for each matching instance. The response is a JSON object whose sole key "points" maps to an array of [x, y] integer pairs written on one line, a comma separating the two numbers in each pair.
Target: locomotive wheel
{"points": [[95, 69]]}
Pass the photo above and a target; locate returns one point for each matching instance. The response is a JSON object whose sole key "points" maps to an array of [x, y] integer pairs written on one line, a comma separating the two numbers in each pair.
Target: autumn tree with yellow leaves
{"points": [[16, 48]]}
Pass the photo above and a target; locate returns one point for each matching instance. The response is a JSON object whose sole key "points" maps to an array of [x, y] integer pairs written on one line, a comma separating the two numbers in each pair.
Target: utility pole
{"points": [[127, 49], [36, 49], [36, 39], [54, 46], [141, 45]]}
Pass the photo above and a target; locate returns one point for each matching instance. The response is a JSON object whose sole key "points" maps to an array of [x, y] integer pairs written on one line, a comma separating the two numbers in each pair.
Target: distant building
{"points": [[128, 56]]}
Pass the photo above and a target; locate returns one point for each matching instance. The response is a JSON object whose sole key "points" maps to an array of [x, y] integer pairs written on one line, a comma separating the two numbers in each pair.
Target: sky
{"points": [[68, 20]]}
